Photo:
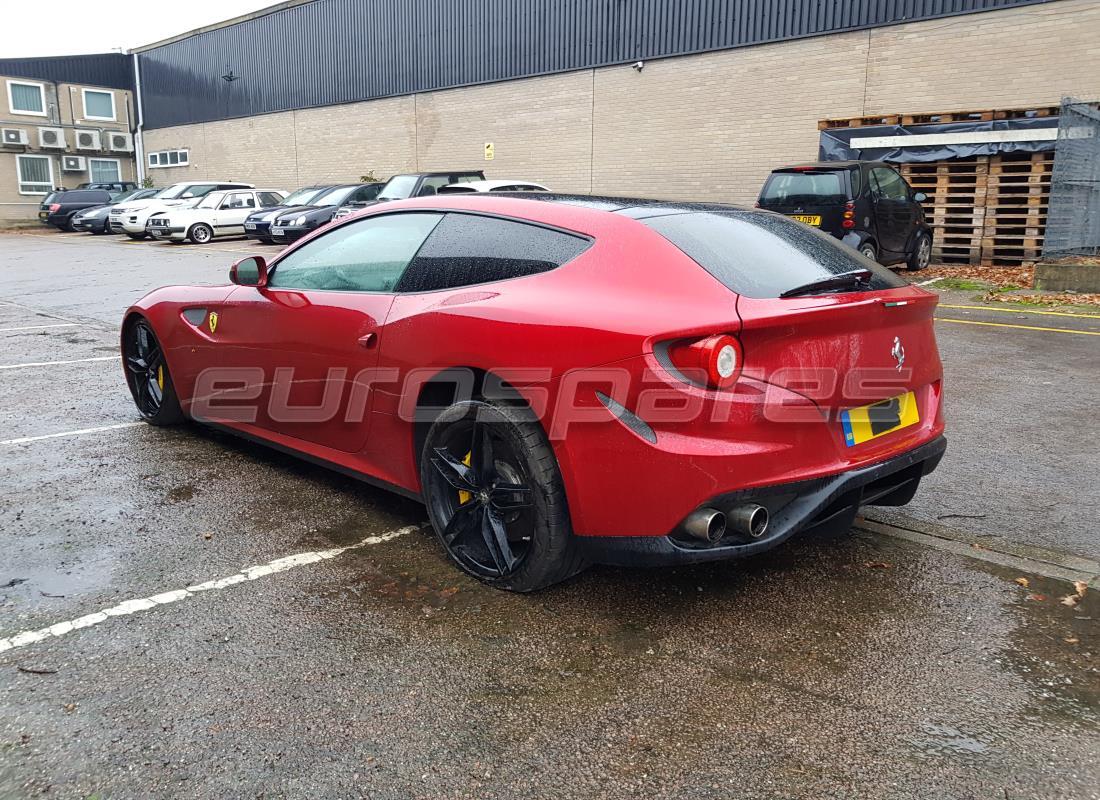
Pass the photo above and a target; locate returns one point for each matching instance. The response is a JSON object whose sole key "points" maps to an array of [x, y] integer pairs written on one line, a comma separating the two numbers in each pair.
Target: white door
{"points": [[230, 215]]}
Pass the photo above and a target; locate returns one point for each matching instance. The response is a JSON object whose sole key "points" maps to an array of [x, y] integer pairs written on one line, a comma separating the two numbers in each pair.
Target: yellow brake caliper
{"points": [[160, 377], [465, 497]]}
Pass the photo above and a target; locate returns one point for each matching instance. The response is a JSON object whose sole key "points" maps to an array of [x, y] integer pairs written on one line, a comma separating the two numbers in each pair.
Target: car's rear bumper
{"points": [[794, 507]]}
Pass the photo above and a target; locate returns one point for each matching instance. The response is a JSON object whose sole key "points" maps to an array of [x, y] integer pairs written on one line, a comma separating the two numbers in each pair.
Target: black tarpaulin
{"points": [[835, 143]]}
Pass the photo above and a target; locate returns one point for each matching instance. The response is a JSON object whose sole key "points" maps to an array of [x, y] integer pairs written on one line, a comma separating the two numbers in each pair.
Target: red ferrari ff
{"points": [[567, 379]]}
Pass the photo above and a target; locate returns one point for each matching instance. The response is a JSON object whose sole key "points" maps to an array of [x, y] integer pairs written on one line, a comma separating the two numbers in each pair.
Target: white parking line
{"points": [[37, 327], [55, 363], [929, 282], [81, 432], [146, 603]]}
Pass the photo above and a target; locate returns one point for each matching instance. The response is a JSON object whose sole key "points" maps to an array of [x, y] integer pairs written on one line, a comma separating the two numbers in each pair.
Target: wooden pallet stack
{"points": [[988, 210]]}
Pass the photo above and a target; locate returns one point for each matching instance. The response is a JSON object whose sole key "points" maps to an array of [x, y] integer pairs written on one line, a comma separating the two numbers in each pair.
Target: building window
{"points": [[35, 174], [99, 105], [168, 158], [104, 170], [27, 98]]}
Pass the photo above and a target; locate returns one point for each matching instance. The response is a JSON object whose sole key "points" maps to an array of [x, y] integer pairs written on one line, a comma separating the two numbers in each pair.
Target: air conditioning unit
{"points": [[15, 136], [120, 142], [73, 163], [52, 138], [87, 140]]}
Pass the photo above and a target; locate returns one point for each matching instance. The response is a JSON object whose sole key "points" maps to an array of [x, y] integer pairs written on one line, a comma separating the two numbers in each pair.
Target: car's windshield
{"points": [[763, 254], [804, 188], [398, 187], [212, 200], [186, 190], [333, 197], [302, 197]]}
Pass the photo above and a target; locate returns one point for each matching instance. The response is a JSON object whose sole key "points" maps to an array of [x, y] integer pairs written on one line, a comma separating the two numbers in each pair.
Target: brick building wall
{"points": [[63, 108], [706, 127]]}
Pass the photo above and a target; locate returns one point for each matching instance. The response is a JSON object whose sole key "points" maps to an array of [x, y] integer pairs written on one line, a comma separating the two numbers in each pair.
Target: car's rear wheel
{"points": [[200, 233], [921, 255], [495, 497], [147, 375], [868, 250]]}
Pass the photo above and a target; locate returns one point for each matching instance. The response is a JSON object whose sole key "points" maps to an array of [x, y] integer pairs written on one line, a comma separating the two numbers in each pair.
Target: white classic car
{"points": [[130, 217], [220, 213]]}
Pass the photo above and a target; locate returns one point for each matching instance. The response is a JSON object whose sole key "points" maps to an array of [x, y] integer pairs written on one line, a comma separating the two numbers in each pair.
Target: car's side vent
{"points": [[53, 138], [87, 140], [15, 137], [120, 142], [73, 164]]}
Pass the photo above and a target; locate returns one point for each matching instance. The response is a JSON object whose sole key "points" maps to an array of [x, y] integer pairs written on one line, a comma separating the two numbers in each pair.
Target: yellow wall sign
{"points": [[488, 151]]}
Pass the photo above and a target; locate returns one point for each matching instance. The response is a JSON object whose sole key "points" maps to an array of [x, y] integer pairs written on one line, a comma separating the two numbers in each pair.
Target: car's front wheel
{"points": [[147, 375], [867, 250], [495, 496], [200, 233], [921, 255], [136, 236]]}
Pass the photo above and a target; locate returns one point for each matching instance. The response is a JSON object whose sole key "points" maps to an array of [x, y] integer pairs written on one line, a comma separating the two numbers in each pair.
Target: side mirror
{"points": [[920, 197], [249, 271]]}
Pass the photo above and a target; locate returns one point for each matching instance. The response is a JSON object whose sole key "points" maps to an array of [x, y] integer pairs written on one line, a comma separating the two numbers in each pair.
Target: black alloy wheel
{"points": [[494, 496], [148, 377]]}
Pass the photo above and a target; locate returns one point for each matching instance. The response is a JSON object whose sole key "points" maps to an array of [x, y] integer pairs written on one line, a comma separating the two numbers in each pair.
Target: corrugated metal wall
{"points": [[337, 51], [113, 70]]}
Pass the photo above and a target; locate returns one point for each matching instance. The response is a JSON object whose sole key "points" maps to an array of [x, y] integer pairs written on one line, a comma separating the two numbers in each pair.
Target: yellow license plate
{"points": [[809, 219], [878, 419]]}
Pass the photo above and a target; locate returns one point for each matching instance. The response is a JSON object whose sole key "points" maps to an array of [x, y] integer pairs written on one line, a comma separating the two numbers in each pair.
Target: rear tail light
{"points": [[849, 220], [714, 362], [55, 206]]}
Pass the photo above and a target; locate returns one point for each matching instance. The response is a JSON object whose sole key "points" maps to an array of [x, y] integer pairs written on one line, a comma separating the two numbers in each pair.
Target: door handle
{"points": [[367, 340]]}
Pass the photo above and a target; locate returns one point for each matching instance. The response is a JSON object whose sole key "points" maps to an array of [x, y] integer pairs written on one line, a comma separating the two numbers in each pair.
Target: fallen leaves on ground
{"points": [[1023, 582], [877, 565], [1079, 590], [1037, 597], [1071, 640], [997, 276], [1063, 299]]}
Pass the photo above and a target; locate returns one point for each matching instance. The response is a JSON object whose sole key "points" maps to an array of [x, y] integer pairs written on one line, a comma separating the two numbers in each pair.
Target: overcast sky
{"points": [[68, 27]]}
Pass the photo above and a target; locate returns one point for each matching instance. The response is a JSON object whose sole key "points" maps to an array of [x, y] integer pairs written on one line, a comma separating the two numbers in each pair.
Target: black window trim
{"points": [[337, 224]]}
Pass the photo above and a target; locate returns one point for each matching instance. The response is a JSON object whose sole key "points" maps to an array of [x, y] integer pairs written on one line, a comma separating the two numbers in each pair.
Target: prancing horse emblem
{"points": [[214, 324], [898, 352]]}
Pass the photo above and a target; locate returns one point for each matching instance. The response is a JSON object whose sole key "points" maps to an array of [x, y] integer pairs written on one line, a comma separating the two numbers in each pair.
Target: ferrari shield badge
{"points": [[213, 321]]}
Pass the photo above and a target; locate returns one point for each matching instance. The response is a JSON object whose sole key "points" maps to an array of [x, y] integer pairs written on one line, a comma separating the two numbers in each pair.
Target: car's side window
{"points": [[890, 185], [466, 249], [369, 255], [432, 185], [240, 200]]}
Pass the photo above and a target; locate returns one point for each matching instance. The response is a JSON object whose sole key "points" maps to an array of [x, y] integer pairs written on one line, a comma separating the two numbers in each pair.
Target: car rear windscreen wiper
{"points": [[840, 281]]}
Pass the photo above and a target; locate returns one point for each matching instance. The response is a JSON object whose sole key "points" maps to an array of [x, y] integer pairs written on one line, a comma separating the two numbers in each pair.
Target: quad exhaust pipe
{"points": [[710, 525]]}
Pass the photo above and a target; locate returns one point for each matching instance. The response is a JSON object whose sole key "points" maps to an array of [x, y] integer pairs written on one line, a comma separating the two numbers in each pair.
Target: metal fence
{"points": [[1073, 219]]}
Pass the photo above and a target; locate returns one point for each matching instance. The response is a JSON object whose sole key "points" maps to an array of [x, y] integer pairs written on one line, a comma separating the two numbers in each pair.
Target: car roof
{"points": [[486, 186], [828, 165], [527, 204]]}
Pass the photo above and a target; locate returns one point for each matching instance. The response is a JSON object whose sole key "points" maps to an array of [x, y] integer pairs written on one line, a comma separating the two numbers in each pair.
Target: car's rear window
{"points": [[805, 188], [85, 196], [761, 254]]}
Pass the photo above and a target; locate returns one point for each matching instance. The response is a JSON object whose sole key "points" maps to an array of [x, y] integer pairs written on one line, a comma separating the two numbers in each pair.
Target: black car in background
{"points": [[296, 223], [865, 204], [258, 224], [97, 218], [115, 186], [59, 207], [413, 184]]}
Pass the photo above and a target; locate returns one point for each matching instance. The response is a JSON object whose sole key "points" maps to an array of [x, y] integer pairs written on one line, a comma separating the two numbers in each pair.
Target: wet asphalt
{"points": [[864, 666]]}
